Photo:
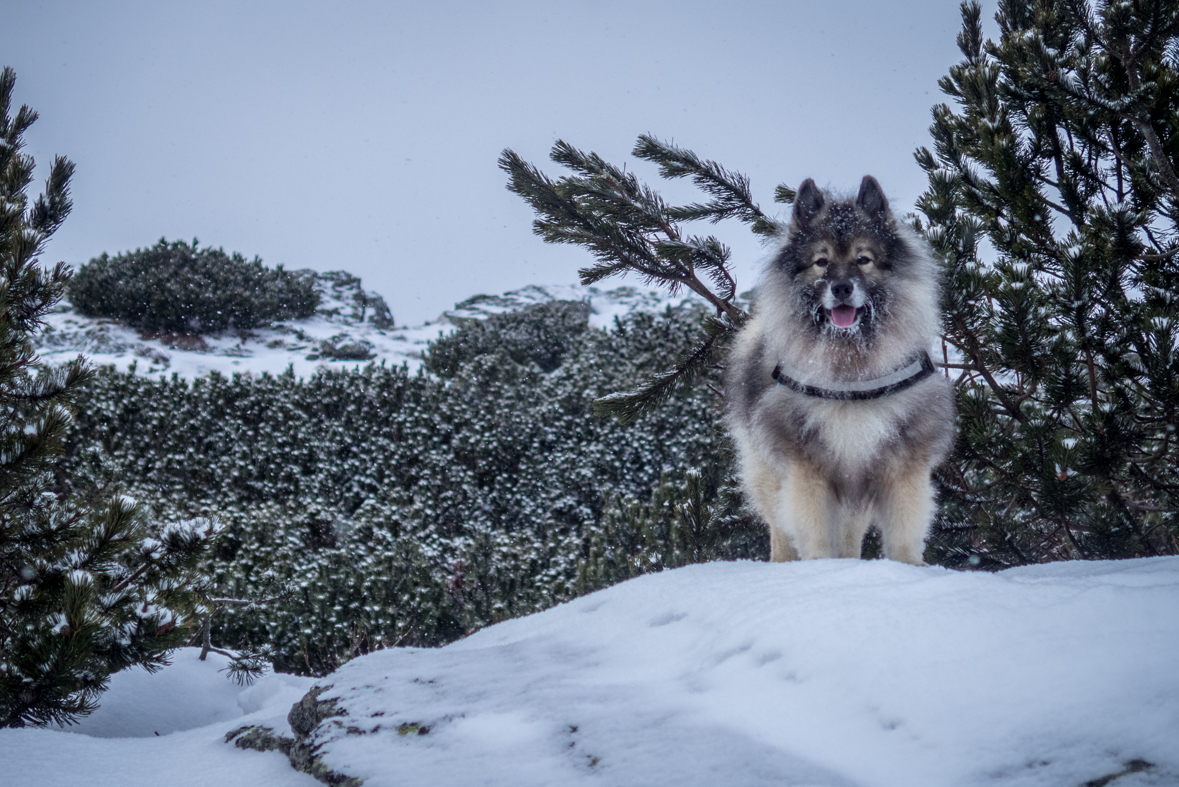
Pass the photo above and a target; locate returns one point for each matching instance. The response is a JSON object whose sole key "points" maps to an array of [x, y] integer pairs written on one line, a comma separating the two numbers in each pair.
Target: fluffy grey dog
{"points": [[838, 414]]}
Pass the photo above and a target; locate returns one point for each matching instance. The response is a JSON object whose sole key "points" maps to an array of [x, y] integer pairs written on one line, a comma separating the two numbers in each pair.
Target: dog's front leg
{"points": [[805, 512], [905, 511], [762, 481]]}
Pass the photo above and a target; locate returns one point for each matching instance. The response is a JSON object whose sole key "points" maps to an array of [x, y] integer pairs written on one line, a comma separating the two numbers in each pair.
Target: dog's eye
{"points": [[864, 260], [821, 262]]}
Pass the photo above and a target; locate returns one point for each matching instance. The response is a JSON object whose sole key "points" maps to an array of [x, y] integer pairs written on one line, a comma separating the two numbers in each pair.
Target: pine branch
{"points": [[730, 190], [702, 254], [651, 393], [52, 207], [784, 194], [575, 211], [623, 223], [630, 229]]}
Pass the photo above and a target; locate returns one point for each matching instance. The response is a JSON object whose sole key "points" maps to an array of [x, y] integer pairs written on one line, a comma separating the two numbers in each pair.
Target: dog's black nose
{"points": [[842, 289]]}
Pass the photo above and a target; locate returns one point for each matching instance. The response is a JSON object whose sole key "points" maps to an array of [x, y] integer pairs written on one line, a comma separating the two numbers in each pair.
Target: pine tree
{"points": [[1053, 198], [87, 587]]}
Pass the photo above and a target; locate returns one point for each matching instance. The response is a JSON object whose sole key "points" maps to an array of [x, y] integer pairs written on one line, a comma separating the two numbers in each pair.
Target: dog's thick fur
{"points": [[822, 471]]}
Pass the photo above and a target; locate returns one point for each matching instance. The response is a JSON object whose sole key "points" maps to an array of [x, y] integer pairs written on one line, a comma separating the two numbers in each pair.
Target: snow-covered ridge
{"points": [[350, 328]]}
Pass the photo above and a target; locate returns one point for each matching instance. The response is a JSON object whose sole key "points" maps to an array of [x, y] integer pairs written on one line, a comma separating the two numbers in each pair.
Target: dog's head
{"points": [[842, 259]]}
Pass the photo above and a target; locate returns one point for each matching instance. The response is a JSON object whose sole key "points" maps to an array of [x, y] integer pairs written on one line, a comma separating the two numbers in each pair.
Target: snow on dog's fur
{"points": [[850, 300]]}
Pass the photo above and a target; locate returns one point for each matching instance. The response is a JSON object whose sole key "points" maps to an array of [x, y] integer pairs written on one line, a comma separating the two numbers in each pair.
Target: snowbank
{"points": [[831, 672], [166, 728], [187, 694], [819, 673]]}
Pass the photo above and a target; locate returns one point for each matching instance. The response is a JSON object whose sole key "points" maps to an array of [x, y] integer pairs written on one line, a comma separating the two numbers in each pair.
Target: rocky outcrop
{"points": [[302, 750], [342, 296]]}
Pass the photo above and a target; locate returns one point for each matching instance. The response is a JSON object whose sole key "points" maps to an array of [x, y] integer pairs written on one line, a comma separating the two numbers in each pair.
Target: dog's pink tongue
{"points": [[843, 316]]}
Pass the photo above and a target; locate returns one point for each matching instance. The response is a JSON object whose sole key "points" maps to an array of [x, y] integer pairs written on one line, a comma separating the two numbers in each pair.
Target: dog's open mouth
{"points": [[844, 316]]}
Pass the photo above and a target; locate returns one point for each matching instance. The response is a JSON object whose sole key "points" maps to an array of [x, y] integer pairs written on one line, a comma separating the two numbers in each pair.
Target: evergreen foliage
{"points": [[410, 509], [179, 288], [629, 228], [1053, 199], [542, 334], [87, 587], [695, 521]]}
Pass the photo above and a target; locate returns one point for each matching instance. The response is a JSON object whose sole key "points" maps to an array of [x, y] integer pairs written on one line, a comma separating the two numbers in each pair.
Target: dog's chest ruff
{"points": [[855, 420]]}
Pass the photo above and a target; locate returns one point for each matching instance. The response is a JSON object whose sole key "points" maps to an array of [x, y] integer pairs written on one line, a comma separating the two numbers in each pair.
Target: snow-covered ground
{"points": [[829, 672], [345, 319], [161, 730]]}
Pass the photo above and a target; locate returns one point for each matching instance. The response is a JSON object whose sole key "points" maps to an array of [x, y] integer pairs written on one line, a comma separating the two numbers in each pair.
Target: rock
{"points": [[260, 739], [307, 713], [343, 348], [305, 716]]}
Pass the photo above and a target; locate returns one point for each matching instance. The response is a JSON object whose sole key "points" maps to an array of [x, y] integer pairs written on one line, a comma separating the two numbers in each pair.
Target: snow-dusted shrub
{"points": [[179, 288], [540, 334], [87, 592], [407, 509]]}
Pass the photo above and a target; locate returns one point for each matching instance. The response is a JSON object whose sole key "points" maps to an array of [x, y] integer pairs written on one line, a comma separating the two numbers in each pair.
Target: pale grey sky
{"points": [[364, 136]]}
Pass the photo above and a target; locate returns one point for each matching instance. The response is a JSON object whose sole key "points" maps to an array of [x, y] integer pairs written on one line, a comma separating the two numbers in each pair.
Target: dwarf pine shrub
{"points": [[178, 287]]}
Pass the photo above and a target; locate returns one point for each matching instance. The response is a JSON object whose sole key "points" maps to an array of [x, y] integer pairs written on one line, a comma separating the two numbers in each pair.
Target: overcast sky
{"points": [[364, 136]]}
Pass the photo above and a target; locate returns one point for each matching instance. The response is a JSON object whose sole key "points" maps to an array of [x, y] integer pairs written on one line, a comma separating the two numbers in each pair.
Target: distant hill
{"points": [[351, 327]]}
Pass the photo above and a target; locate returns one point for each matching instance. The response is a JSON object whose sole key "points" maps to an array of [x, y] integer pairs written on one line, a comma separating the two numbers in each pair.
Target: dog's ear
{"points": [[807, 204], [871, 199]]}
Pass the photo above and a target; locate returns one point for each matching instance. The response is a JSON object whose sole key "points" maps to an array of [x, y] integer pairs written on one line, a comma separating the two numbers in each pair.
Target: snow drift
{"points": [[829, 672], [163, 729], [832, 672]]}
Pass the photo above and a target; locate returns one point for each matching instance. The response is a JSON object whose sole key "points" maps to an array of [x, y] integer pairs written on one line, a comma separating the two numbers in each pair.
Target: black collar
{"points": [[916, 370]]}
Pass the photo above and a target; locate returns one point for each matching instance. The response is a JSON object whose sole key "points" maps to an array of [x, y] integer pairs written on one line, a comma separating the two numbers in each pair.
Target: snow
{"points": [[165, 728], [185, 695], [296, 344], [828, 672]]}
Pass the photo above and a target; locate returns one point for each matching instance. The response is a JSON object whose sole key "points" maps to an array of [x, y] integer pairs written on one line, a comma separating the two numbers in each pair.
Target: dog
{"points": [[837, 411]]}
